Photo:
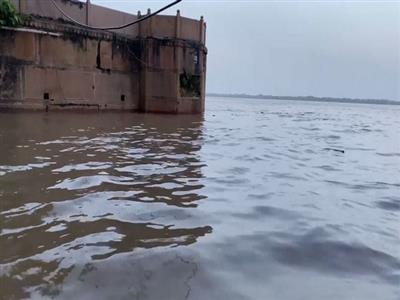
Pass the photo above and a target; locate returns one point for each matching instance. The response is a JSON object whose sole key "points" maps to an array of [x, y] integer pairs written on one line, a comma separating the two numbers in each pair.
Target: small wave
{"points": [[11, 169], [315, 251], [390, 203], [90, 181], [388, 154]]}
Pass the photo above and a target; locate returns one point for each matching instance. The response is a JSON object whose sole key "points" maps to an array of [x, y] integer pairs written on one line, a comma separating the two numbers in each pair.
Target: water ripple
{"points": [[252, 198]]}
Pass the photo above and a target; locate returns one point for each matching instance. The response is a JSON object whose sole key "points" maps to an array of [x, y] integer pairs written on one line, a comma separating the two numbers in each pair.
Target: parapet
{"points": [[159, 26]]}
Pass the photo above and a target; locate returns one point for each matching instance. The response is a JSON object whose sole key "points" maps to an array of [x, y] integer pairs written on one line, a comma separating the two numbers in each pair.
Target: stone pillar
{"points": [[139, 15], [205, 34], [203, 67], [178, 56], [143, 67], [22, 6], [201, 29], [149, 24], [178, 24], [87, 11], [203, 63]]}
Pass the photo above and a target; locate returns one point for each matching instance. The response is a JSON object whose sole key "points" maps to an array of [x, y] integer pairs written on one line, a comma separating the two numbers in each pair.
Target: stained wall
{"points": [[157, 66]]}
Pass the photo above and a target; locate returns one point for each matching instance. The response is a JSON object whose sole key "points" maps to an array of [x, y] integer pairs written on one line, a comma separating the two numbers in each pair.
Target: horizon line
{"points": [[299, 96]]}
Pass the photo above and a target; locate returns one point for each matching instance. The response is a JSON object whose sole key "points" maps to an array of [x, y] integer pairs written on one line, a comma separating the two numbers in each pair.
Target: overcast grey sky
{"points": [[321, 48]]}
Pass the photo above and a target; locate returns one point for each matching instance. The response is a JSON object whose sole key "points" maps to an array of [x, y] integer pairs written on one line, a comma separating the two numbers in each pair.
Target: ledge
{"points": [[30, 30]]}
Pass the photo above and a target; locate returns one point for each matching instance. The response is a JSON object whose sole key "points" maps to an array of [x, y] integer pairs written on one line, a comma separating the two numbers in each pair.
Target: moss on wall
{"points": [[189, 85], [9, 15]]}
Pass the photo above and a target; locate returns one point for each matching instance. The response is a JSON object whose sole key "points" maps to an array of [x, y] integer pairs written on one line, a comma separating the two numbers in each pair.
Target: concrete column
{"points": [[205, 34], [139, 15], [203, 61], [149, 24], [201, 29], [177, 52], [202, 64], [87, 11], [178, 24], [177, 56], [21, 6]]}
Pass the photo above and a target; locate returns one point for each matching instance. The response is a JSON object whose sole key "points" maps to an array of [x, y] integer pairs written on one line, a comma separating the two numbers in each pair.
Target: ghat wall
{"points": [[50, 64]]}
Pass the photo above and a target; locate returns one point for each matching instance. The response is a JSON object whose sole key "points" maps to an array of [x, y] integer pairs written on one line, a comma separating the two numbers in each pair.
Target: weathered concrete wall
{"points": [[166, 61], [49, 71], [158, 65], [70, 67]]}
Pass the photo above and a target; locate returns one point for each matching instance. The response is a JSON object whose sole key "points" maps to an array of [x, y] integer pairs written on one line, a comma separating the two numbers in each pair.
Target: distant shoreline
{"points": [[308, 98]]}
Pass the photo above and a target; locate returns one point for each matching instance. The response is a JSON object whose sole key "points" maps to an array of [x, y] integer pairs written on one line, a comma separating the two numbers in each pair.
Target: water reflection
{"points": [[23, 278], [113, 235], [82, 188]]}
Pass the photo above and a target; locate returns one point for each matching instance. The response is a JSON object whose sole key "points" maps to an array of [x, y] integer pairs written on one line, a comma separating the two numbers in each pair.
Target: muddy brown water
{"points": [[256, 200]]}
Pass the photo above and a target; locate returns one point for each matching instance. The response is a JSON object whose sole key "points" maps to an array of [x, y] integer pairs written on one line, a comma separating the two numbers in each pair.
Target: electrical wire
{"points": [[115, 27]]}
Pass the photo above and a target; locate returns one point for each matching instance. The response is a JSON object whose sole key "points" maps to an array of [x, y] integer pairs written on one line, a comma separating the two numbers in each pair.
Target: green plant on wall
{"points": [[9, 15], [190, 85]]}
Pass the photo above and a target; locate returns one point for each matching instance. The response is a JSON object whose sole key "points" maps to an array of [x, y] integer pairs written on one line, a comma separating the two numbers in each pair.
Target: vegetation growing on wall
{"points": [[189, 85], [9, 15]]}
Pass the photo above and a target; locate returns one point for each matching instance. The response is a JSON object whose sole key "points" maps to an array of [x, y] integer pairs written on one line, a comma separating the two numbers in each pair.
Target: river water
{"points": [[258, 199]]}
